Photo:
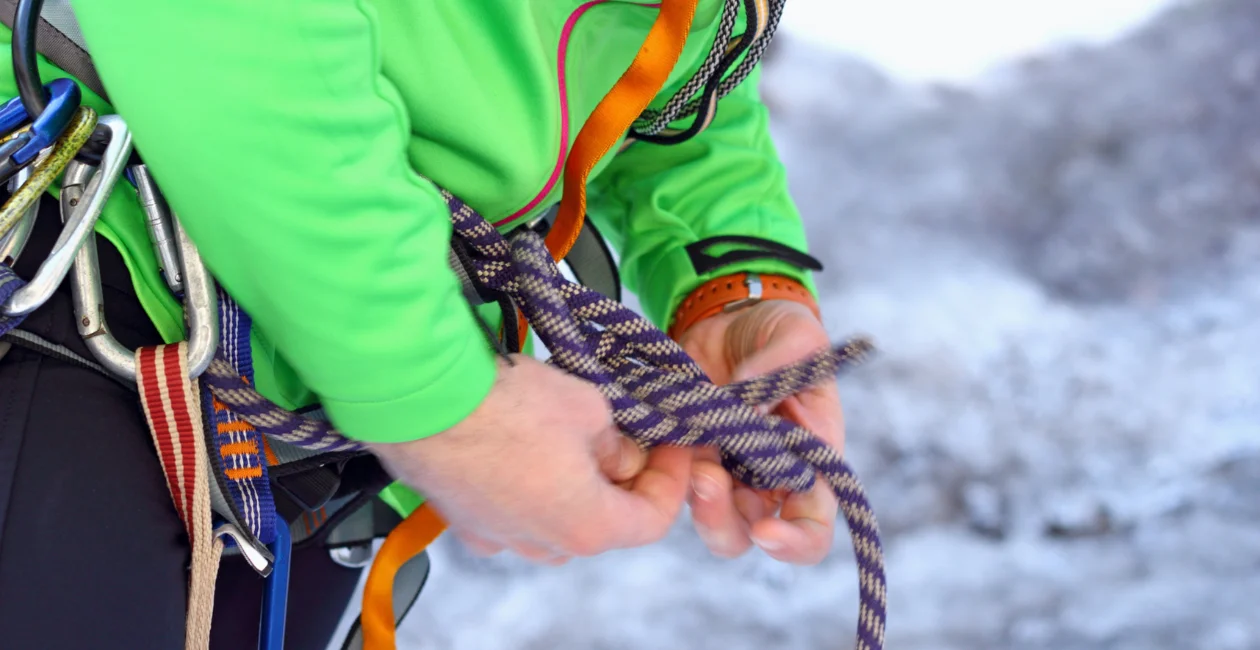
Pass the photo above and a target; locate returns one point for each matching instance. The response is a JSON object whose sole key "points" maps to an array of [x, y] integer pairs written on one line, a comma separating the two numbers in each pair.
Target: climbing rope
{"points": [[660, 396]]}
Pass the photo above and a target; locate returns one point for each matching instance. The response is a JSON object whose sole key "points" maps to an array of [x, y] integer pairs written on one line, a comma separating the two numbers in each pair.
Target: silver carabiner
{"points": [[200, 301], [78, 225], [157, 219], [12, 243]]}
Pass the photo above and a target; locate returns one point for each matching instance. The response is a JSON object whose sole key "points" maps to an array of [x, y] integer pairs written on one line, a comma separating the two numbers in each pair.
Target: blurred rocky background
{"points": [[1061, 263]]}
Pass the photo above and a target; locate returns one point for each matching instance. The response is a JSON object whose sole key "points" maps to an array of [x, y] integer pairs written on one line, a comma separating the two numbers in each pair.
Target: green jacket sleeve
{"points": [[653, 200], [282, 147]]}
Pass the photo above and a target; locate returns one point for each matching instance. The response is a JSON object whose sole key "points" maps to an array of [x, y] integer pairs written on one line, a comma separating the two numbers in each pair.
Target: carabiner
{"points": [[46, 128], [200, 300], [275, 602], [11, 244], [159, 223], [47, 169], [79, 220]]}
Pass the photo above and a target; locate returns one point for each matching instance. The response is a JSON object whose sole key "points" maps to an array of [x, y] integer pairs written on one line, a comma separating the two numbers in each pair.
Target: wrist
{"points": [[733, 292]]}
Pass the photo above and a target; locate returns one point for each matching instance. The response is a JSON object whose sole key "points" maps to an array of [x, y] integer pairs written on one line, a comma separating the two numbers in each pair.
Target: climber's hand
{"points": [[731, 517], [535, 469]]}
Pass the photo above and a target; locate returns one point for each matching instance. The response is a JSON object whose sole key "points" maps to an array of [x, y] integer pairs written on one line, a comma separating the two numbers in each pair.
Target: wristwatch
{"points": [[731, 292]]}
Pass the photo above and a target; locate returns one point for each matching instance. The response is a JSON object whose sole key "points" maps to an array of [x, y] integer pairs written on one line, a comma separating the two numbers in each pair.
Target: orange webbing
{"points": [[610, 119], [406, 541], [616, 112]]}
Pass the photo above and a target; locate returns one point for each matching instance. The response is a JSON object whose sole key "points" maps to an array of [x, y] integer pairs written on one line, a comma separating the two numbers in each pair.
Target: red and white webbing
{"points": [[172, 407]]}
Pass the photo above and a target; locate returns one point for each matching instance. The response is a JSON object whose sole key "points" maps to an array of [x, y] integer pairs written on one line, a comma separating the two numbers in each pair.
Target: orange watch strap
{"points": [[729, 291]]}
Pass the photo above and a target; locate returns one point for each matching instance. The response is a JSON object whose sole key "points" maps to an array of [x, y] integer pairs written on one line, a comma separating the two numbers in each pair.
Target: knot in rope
{"points": [[659, 395]]}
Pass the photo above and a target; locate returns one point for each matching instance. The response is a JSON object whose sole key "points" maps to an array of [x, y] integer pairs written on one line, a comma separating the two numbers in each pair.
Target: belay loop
{"points": [[659, 395]]}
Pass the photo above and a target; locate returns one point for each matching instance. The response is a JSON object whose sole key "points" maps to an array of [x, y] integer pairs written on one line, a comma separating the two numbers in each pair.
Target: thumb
{"points": [[619, 458]]}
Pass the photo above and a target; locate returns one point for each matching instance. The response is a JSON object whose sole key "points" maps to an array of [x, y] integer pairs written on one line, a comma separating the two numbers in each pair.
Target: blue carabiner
{"points": [[275, 603], [64, 99]]}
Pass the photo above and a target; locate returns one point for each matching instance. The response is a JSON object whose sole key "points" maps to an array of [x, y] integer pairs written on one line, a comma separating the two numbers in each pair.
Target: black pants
{"points": [[92, 553]]}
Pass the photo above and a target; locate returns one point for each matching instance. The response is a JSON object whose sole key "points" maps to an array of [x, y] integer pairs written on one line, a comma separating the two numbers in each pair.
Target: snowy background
{"points": [[1048, 216]]}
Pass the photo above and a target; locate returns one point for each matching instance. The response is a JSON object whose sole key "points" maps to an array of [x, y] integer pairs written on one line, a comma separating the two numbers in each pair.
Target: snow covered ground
{"points": [[1062, 436]]}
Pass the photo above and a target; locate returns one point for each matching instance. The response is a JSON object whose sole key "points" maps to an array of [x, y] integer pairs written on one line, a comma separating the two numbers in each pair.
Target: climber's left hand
{"points": [[731, 517]]}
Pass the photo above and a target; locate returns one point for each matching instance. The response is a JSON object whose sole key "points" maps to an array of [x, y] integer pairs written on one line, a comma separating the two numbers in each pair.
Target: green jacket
{"points": [[299, 141]]}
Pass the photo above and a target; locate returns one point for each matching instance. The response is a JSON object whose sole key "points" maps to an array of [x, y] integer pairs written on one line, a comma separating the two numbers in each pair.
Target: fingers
{"points": [[644, 513], [805, 528], [715, 514]]}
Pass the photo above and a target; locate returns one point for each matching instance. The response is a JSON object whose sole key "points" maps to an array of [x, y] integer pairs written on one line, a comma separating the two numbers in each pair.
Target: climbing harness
{"points": [[252, 478]]}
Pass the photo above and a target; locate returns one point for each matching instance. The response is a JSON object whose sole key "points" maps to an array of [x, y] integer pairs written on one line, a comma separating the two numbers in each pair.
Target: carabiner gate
{"points": [[46, 168], [200, 301], [12, 243], [46, 128], [79, 222]]}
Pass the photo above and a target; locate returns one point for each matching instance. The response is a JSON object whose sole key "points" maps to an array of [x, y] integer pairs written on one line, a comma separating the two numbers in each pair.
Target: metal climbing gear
{"points": [[13, 242], [47, 126], [80, 219], [47, 167], [200, 301], [158, 221]]}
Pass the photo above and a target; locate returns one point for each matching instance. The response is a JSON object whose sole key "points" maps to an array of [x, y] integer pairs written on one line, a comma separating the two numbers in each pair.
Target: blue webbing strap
{"points": [[239, 459], [9, 284]]}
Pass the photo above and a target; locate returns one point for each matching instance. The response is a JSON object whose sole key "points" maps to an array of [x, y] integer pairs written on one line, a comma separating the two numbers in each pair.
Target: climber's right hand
{"points": [[539, 468]]}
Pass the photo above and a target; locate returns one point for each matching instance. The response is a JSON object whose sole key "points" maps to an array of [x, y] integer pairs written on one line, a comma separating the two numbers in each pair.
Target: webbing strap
{"points": [[408, 583], [615, 113], [10, 282], [238, 455], [60, 40], [404, 543], [173, 410]]}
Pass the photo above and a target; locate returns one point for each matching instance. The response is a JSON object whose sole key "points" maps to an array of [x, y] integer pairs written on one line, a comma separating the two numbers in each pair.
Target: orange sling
{"points": [[640, 83]]}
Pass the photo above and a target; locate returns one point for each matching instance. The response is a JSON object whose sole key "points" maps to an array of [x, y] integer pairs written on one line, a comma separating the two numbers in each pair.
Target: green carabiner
{"points": [[48, 168]]}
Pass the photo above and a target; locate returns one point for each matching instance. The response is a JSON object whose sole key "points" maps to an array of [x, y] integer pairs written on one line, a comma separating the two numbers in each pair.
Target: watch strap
{"points": [[731, 292]]}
